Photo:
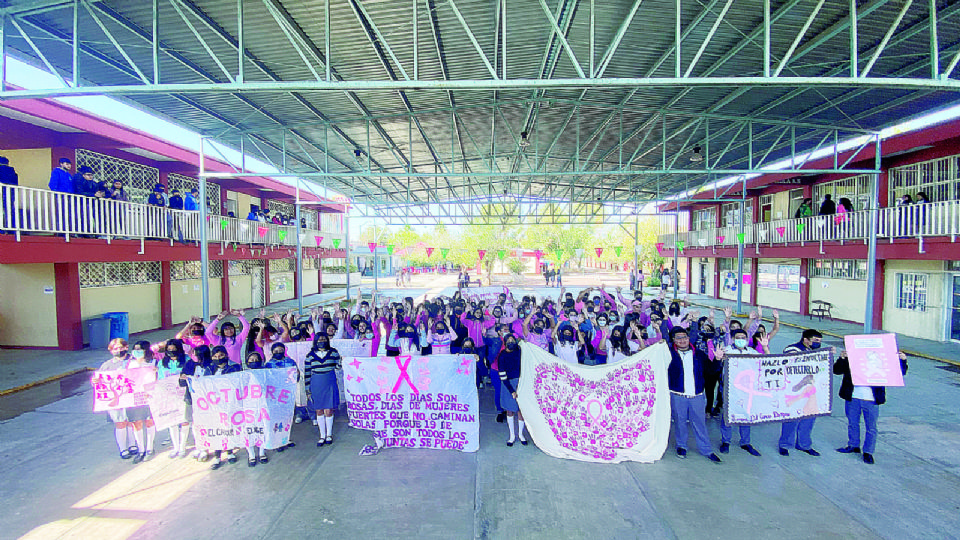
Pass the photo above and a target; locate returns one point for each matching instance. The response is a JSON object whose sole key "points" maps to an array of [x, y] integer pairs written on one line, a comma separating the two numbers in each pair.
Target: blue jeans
{"points": [[726, 433], [799, 432], [871, 411], [690, 409]]}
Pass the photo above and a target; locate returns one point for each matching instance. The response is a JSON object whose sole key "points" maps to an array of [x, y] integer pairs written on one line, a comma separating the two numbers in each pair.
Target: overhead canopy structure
{"points": [[562, 109]]}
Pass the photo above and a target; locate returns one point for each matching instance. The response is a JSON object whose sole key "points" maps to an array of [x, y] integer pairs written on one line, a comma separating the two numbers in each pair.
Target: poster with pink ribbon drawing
{"points": [[874, 360], [121, 388], [415, 401], [776, 387], [603, 414]]}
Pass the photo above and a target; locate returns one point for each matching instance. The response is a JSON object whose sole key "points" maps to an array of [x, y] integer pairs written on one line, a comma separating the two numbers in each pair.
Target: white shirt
{"points": [[689, 384], [863, 392], [568, 352]]}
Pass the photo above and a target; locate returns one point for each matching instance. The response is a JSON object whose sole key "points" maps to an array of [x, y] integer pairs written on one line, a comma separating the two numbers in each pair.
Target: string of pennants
{"points": [[741, 237], [501, 253]]}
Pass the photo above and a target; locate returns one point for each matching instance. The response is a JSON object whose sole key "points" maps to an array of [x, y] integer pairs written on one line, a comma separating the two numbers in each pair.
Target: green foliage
{"points": [[516, 266]]}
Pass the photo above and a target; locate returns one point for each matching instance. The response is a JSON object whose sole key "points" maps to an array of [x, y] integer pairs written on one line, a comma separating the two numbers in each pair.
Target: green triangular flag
{"points": [[282, 234], [444, 251], [680, 245], [390, 249], [617, 250], [336, 243], [234, 248], [501, 253], [800, 227], [224, 223], [740, 237], [559, 254]]}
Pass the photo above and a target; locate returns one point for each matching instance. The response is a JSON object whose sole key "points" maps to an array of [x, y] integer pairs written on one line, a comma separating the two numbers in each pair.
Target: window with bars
{"points": [[939, 179], [138, 180], [912, 292], [280, 207], [243, 268], [333, 223], [705, 219], [185, 270], [186, 183], [282, 265], [855, 188], [851, 269], [730, 214], [114, 274]]}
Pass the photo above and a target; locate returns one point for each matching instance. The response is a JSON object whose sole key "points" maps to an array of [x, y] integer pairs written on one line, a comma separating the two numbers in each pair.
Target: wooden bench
{"points": [[473, 281], [820, 310]]}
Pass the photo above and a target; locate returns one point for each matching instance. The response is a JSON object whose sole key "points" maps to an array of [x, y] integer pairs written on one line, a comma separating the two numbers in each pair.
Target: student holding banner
{"points": [[171, 365], [861, 400], [118, 361], [139, 417], [221, 365], [280, 359], [799, 433], [740, 347], [687, 401], [321, 379]]}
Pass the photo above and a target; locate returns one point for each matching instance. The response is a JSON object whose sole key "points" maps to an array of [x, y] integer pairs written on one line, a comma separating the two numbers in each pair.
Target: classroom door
{"points": [[257, 296], [703, 278], [955, 312]]}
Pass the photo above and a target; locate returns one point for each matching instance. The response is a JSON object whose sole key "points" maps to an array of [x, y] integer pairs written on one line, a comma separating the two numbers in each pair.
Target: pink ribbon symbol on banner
{"points": [[404, 375], [746, 381]]}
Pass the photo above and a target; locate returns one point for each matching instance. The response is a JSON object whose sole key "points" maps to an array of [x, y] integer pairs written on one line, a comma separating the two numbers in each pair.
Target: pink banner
{"points": [[874, 360], [122, 388]]}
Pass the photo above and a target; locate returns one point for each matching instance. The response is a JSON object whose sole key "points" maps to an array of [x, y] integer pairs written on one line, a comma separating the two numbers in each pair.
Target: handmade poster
{"points": [[166, 403], [603, 414], [121, 388], [874, 360], [490, 294], [247, 408], [776, 387], [346, 347], [415, 401]]}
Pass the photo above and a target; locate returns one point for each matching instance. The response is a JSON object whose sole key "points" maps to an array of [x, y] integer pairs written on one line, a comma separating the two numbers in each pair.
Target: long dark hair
{"points": [[181, 356], [147, 351]]}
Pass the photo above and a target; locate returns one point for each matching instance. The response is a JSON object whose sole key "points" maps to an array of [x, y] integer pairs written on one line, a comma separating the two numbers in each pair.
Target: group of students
{"points": [[591, 327], [262, 215]]}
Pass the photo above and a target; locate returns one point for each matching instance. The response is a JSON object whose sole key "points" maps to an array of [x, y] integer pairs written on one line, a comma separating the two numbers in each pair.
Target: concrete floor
{"points": [[61, 479]]}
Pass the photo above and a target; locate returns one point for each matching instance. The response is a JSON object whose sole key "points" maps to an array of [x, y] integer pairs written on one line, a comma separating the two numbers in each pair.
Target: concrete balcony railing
{"points": [[911, 221], [25, 210]]}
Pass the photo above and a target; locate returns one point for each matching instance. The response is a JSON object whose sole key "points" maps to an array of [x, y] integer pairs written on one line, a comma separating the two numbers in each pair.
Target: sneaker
{"points": [[297, 420], [784, 452], [868, 458], [750, 450], [251, 463], [724, 448], [810, 451], [714, 458], [849, 450], [682, 453]]}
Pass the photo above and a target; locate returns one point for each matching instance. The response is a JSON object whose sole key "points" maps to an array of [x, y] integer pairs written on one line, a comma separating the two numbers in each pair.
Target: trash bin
{"points": [[119, 324], [99, 332]]}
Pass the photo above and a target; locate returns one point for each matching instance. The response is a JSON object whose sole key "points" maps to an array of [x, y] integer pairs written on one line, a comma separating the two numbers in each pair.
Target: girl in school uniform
{"points": [[118, 361], [171, 364], [439, 336], [227, 334], [139, 417], [221, 365], [508, 363], [568, 343], [321, 379]]}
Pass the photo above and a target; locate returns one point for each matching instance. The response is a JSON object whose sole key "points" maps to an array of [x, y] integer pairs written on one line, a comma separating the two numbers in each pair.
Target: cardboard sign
{"points": [[415, 401], [166, 403], [121, 388], [603, 414], [244, 409], [776, 387], [874, 360]]}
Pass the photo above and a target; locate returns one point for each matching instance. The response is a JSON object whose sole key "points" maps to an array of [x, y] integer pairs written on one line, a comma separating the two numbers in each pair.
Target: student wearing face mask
{"points": [[740, 347], [193, 335], [200, 365], [365, 336], [508, 364], [706, 341], [459, 330], [221, 365], [118, 361], [799, 433], [536, 333], [439, 337], [619, 346], [687, 402], [321, 379], [406, 339], [470, 349], [599, 341], [226, 334], [171, 364], [139, 417], [568, 343], [494, 344]]}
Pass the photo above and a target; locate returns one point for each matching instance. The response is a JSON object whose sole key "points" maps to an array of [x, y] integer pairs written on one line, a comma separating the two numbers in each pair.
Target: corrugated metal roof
{"points": [[565, 126]]}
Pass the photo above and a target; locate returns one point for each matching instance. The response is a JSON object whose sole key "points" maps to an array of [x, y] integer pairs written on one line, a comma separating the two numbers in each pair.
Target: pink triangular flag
{"points": [[659, 247], [262, 231], [781, 230], [599, 251], [372, 246], [429, 251], [481, 252], [720, 239], [318, 239]]}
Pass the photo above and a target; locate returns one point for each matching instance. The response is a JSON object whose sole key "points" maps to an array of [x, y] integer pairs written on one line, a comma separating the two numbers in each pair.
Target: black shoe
{"points": [[524, 442], [724, 448], [750, 449], [320, 443], [784, 452], [138, 458], [501, 416], [682, 453], [126, 454], [251, 463], [216, 465], [289, 445], [810, 451], [714, 458], [264, 460], [232, 458], [849, 450], [509, 443], [868, 458]]}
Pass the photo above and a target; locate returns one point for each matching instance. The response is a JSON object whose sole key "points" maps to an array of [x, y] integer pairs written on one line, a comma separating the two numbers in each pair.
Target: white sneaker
{"points": [[297, 420]]}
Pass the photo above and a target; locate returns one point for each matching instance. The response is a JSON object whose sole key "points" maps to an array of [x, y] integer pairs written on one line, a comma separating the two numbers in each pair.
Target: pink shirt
{"points": [[234, 346]]}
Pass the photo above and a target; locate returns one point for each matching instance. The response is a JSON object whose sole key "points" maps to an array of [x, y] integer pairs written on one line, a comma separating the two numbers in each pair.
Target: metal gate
{"points": [[257, 288]]}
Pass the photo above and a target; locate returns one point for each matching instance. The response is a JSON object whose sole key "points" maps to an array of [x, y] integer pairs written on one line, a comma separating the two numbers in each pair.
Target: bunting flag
{"points": [[800, 227], [372, 246], [579, 252], [720, 239], [318, 239], [481, 253], [638, 249], [659, 247], [282, 234], [781, 230], [262, 231], [224, 223], [538, 253], [618, 249], [336, 242], [234, 248], [429, 252], [390, 248], [679, 245], [443, 252], [208, 219], [501, 253], [702, 242], [763, 234], [741, 236], [559, 254], [821, 222], [599, 251]]}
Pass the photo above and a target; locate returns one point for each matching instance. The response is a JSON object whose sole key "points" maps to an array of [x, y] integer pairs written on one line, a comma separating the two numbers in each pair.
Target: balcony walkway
{"points": [[62, 478]]}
